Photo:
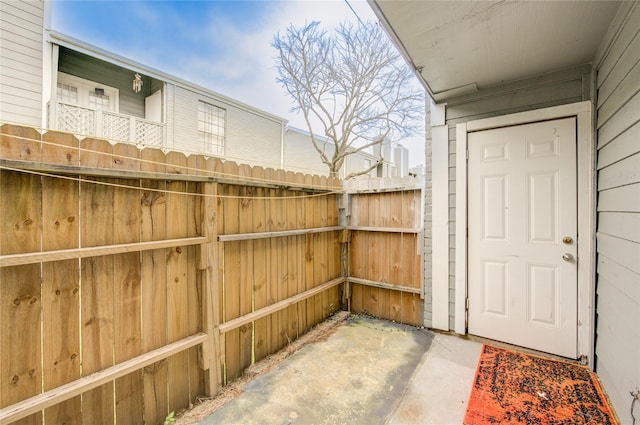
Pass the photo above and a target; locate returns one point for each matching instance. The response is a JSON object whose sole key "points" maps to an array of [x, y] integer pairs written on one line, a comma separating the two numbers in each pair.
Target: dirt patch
{"points": [[204, 406]]}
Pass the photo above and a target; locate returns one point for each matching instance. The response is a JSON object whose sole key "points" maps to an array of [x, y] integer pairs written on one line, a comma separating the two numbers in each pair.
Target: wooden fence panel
{"points": [[384, 253], [111, 301]]}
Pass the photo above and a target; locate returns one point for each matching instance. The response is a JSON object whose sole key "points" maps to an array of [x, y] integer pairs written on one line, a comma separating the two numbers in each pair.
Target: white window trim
{"points": [[212, 103], [89, 86], [586, 206]]}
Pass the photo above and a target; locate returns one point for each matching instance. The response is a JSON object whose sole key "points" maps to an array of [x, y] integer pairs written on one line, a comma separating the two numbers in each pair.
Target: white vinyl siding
{"points": [[618, 233], [21, 57], [250, 137]]}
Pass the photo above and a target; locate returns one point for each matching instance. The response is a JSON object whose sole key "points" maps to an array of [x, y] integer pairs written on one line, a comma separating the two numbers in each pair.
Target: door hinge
{"points": [[467, 303], [467, 154]]}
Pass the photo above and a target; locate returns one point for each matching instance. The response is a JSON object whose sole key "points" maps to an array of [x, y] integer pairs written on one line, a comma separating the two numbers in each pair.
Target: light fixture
{"points": [[137, 83]]}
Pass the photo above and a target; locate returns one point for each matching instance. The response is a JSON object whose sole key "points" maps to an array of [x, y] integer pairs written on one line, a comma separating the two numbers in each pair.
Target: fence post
{"points": [[344, 213], [211, 361]]}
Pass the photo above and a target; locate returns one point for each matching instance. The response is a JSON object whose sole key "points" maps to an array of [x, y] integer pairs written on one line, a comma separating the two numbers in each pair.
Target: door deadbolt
{"points": [[567, 240]]}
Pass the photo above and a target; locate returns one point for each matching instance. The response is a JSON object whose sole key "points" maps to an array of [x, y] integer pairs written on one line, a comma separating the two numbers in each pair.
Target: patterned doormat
{"points": [[517, 388]]}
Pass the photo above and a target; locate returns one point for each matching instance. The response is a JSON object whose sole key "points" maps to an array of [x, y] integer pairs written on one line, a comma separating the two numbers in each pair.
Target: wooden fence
{"points": [[132, 281], [384, 218]]}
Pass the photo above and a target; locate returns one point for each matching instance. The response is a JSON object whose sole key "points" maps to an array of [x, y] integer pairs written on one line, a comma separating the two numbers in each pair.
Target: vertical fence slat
{"points": [[60, 295], [154, 286], [261, 326], [211, 350], [245, 225], [281, 260], [290, 218], [194, 289], [21, 143], [299, 205], [177, 292], [20, 291], [273, 282], [97, 312], [127, 286], [231, 266]]}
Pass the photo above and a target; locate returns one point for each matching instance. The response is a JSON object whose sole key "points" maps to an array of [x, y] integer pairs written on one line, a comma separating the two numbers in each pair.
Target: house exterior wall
{"points": [[552, 89], [88, 68], [21, 59], [427, 243], [300, 155], [617, 71], [250, 138]]}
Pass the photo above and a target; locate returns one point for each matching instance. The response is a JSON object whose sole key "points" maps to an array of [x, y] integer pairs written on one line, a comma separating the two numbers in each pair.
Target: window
{"points": [[67, 94], [211, 124], [98, 101]]}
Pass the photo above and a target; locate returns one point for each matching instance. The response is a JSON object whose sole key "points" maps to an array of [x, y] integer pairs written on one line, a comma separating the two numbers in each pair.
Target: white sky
{"points": [[224, 46]]}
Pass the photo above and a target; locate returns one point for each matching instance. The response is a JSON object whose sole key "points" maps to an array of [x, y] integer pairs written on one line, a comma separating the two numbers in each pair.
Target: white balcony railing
{"points": [[108, 125]]}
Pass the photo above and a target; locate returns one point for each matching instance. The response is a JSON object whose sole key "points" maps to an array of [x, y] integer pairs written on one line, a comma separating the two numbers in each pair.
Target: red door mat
{"points": [[517, 388]]}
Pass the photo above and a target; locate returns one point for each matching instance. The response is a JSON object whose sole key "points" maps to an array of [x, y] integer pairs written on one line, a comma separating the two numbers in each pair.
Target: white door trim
{"points": [[586, 212]]}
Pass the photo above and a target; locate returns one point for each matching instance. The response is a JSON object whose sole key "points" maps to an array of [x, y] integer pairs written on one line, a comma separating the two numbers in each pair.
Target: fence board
{"points": [[245, 223], [96, 212], [300, 223], [60, 295], [21, 143], [127, 300], [60, 148], [177, 282], [292, 288], [261, 326], [231, 299], [195, 299], [272, 264], [20, 304], [153, 275]]}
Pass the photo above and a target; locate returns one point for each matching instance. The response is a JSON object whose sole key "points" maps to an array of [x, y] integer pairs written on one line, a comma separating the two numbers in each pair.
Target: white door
{"points": [[522, 248]]}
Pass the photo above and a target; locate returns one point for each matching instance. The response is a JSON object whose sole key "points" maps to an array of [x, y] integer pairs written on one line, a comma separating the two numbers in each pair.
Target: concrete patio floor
{"points": [[367, 371]]}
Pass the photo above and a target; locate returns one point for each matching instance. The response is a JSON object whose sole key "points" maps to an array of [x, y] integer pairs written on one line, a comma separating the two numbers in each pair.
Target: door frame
{"points": [[585, 152]]}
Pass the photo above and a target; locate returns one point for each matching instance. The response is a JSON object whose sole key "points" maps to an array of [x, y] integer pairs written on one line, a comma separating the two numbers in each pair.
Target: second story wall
{"points": [[21, 25], [92, 69], [250, 137]]}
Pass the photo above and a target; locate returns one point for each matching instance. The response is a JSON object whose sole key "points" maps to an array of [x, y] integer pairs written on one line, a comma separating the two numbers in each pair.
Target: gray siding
{"points": [[556, 88], [83, 66], [618, 233], [21, 62], [427, 263]]}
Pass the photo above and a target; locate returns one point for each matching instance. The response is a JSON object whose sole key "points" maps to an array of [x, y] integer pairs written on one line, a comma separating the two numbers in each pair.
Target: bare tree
{"points": [[353, 86]]}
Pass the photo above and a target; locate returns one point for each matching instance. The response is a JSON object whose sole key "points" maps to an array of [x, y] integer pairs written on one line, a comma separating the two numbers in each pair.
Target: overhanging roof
{"points": [[459, 47]]}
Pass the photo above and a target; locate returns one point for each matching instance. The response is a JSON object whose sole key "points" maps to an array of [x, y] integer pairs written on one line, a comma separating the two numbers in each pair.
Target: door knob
{"points": [[567, 257]]}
